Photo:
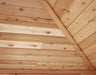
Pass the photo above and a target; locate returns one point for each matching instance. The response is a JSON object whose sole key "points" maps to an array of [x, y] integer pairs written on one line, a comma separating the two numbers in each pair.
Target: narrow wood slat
{"points": [[28, 67], [35, 45], [18, 44], [23, 11], [7, 74], [41, 65], [63, 64], [46, 71], [27, 20], [28, 3], [33, 38], [30, 30], [44, 74], [40, 58], [58, 46], [52, 74], [38, 52]]}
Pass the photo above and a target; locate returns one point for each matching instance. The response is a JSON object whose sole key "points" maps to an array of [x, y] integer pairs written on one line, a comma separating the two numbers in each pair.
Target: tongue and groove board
{"points": [[31, 40]]}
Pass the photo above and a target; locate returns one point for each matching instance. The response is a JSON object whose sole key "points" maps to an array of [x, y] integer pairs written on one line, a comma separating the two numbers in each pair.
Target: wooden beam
{"points": [[63, 28], [45, 71]]}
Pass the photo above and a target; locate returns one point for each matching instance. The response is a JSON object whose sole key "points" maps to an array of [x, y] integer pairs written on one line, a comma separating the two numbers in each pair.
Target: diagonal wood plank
{"points": [[66, 32]]}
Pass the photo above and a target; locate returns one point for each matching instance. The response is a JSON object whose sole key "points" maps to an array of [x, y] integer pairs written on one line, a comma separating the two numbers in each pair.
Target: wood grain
{"points": [[33, 38], [66, 32], [30, 30], [38, 52]]}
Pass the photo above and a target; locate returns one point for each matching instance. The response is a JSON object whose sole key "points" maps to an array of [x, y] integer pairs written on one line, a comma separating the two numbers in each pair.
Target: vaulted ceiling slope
{"points": [[78, 16], [48, 35]]}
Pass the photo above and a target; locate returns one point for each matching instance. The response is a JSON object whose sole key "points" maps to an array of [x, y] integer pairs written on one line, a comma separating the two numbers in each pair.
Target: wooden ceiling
{"points": [[48, 37]]}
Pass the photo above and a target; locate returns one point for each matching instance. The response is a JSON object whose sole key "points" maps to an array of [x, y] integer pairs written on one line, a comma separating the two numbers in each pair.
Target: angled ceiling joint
{"points": [[63, 28]]}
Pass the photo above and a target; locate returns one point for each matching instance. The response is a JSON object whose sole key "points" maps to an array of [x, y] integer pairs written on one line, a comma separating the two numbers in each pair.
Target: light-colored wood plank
{"points": [[27, 20], [76, 8], [41, 58], [25, 3], [30, 30], [18, 44], [53, 74], [66, 32], [23, 11], [4, 66], [34, 38], [7, 74], [38, 52], [58, 46], [35, 45], [66, 64], [45, 71]]}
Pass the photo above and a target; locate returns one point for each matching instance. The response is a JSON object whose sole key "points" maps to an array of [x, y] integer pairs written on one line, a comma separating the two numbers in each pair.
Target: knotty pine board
{"points": [[25, 3], [4, 66], [30, 30], [35, 45], [27, 20], [38, 52], [41, 58], [34, 38], [6, 9]]}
